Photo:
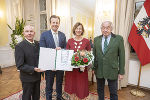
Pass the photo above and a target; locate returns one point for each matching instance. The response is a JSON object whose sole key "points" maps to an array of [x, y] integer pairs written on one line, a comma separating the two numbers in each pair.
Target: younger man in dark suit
{"points": [[56, 40], [26, 57]]}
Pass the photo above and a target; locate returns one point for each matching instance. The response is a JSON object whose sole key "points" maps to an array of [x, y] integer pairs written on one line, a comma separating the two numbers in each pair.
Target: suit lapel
{"points": [[111, 42], [51, 38], [59, 38], [99, 42]]}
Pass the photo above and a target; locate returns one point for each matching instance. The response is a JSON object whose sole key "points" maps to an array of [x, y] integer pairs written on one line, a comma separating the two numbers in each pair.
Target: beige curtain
{"points": [[14, 9], [63, 10], [32, 15], [37, 19], [123, 20], [103, 12]]}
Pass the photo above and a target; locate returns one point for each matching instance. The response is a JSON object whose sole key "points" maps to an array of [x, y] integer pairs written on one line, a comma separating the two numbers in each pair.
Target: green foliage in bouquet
{"points": [[81, 58], [19, 26]]}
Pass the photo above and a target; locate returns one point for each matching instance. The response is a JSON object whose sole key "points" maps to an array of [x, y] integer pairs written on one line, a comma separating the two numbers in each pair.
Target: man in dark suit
{"points": [[26, 57], [109, 60], [56, 40]]}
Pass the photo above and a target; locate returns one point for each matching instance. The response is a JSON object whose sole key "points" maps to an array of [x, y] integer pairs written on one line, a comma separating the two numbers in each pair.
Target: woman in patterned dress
{"points": [[76, 81]]}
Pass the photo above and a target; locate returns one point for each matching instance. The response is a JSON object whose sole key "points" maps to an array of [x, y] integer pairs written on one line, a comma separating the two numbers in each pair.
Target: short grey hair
{"points": [[28, 26], [107, 22]]}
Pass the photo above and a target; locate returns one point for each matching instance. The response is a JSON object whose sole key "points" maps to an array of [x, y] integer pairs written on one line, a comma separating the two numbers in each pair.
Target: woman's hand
{"points": [[82, 69], [89, 66]]}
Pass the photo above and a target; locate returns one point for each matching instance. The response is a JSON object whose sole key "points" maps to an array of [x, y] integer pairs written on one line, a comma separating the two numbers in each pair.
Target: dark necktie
{"points": [[105, 44]]}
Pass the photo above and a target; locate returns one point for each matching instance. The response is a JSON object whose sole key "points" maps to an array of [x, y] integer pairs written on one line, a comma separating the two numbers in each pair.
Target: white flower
{"points": [[18, 38]]}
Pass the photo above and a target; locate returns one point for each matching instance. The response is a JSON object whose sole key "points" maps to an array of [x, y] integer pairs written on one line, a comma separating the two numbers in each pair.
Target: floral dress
{"points": [[76, 82]]}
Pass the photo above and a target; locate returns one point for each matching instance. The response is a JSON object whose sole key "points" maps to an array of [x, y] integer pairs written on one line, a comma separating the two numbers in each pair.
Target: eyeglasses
{"points": [[107, 28]]}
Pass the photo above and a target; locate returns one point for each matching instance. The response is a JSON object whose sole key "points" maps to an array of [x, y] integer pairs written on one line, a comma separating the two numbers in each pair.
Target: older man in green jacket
{"points": [[109, 60]]}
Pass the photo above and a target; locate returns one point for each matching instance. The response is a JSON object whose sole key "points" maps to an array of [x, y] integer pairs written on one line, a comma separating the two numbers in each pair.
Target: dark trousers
{"points": [[49, 76], [113, 86], [31, 90]]}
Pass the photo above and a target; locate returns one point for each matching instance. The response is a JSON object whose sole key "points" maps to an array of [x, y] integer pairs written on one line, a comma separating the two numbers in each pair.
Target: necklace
{"points": [[78, 39]]}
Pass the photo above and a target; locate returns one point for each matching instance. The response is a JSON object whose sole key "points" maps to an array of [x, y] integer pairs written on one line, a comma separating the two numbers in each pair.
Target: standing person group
{"points": [[109, 61]]}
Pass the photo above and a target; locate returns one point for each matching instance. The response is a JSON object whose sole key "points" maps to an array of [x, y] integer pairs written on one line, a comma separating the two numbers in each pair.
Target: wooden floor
{"points": [[10, 83]]}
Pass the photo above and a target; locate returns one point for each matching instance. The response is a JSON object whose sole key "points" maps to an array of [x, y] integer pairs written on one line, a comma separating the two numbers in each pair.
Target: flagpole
{"points": [[138, 85], [138, 92]]}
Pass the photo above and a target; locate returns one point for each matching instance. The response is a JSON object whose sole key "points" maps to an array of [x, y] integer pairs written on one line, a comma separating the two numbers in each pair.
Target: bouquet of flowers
{"points": [[82, 58]]}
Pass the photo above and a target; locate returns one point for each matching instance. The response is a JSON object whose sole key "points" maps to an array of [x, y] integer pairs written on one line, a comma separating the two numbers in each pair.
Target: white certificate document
{"points": [[64, 60], [52, 59], [47, 59]]}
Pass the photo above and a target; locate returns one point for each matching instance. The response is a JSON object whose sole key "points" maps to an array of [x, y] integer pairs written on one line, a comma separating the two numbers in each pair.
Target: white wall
{"points": [[139, 0], [76, 9], [134, 66], [6, 57], [80, 11]]}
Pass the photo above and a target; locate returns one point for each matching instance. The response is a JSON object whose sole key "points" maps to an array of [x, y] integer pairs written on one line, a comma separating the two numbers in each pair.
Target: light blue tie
{"points": [[56, 40], [105, 44]]}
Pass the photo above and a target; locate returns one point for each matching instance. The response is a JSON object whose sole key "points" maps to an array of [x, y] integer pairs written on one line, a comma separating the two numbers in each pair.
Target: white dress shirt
{"points": [[30, 41]]}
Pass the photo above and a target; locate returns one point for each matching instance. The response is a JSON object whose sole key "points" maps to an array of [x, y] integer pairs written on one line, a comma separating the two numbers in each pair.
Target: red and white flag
{"points": [[139, 36]]}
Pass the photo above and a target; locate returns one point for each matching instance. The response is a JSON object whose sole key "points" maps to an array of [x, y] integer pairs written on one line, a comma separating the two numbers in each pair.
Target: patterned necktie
{"points": [[56, 40], [105, 44]]}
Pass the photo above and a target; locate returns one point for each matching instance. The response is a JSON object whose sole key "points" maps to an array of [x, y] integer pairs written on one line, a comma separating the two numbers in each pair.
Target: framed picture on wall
{"points": [[138, 6]]}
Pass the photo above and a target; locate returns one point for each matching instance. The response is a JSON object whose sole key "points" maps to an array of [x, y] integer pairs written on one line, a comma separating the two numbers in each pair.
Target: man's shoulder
{"points": [[119, 37], [98, 37], [21, 44], [46, 32], [61, 32]]}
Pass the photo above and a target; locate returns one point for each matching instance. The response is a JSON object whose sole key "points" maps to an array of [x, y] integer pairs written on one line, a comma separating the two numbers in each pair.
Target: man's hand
{"points": [[120, 77], [58, 48], [38, 69]]}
